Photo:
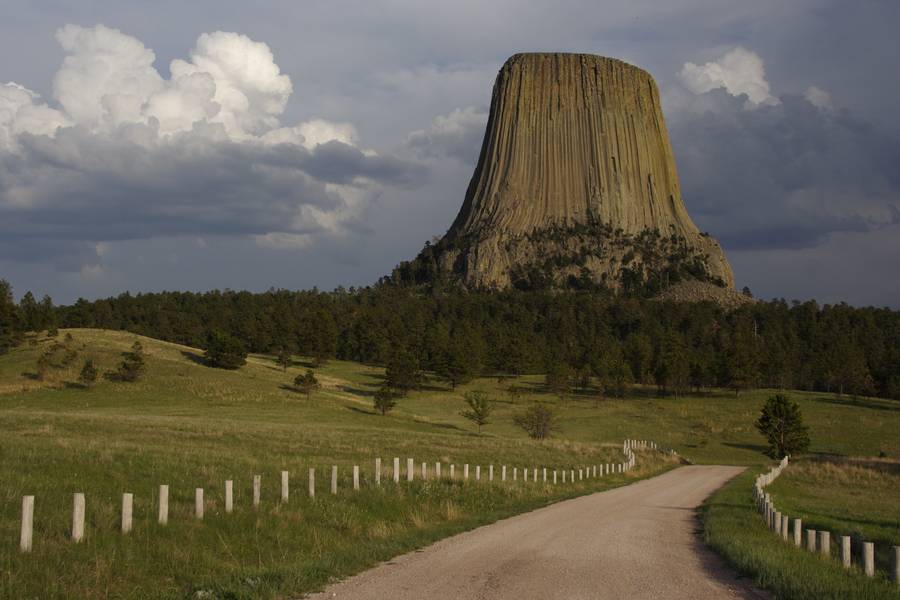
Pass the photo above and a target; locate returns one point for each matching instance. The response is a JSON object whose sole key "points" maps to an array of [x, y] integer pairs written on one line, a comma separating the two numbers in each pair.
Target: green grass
{"points": [[191, 426], [733, 528]]}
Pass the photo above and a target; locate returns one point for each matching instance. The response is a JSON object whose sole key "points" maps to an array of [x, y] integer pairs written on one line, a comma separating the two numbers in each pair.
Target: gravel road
{"points": [[637, 541]]}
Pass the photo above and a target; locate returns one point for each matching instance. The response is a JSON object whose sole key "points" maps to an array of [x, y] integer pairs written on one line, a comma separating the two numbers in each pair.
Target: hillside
{"points": [[188, 425]]}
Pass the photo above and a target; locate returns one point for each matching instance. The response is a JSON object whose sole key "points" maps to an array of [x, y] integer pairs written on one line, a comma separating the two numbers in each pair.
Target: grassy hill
{"points": [[188, 426]]}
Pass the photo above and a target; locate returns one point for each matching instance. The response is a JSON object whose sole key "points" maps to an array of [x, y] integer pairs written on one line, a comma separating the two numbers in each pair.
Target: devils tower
{"points": [[575, 185]]}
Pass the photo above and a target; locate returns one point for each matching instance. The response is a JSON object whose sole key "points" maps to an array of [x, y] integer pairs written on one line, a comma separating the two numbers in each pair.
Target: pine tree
{"points": [[307, 383], [385, 400], [480, 408], [225, 352], [88, 374], [132, 365], [402, 373], [782, 424]]}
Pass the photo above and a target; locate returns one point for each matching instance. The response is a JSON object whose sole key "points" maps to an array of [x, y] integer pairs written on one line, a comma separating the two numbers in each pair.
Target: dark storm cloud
{"points": [[80, 186], [784, 176]]}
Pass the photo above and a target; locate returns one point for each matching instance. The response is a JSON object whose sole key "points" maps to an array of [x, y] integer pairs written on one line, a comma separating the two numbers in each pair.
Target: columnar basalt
{"points": [[575, 181]]}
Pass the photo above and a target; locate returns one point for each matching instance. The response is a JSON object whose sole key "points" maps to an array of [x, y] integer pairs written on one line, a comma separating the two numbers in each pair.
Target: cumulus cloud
{"points": [[126, 153], [457, 135], [738, 72]]}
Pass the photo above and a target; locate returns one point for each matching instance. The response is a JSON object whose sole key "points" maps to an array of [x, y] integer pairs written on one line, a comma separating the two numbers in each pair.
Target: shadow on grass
{"points": [[356, 391], [745, 446], [871, 403], [195, 358]]}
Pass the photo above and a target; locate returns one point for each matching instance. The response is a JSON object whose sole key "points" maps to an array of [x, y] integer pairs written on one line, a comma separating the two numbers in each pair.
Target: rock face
{"points": [[576, 179]]}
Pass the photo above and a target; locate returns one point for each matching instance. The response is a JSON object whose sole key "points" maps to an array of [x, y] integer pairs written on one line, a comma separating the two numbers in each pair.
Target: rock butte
{"points": [[572, 140]]}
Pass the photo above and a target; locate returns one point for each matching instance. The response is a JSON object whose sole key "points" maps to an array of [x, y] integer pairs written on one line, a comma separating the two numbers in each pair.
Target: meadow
{"points": [[187, 425]]}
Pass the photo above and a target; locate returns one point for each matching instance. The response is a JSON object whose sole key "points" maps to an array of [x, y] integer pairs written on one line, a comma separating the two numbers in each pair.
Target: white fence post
{"points": [[424, 471], [845, 551], [825, 543], [798, 532], [257, 491], [554, 476], [437, 470], [334, 474], [869, 558], [477, 472], [163, 516], [285, 486], [452, 472], [490, 472], [811, 540], [377, 471], [27, 533], [198, 503], [356, 478], [127, 504], [396, 470], [229, 496], [503, 473], [410, 469], [78, 517], [312, 483], [545, 474], [466, 471]]}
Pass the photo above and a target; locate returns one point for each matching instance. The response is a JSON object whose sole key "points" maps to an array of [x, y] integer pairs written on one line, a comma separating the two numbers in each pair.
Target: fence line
{"points": [[530, 475], [815, 540]]}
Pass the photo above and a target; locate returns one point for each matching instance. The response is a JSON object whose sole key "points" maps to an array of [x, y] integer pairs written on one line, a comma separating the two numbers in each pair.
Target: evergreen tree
{"points": [[402, 373], [672, 366], [461, 364], [480, 408], [283, 359], [782, 425], [11, 329], [559, 379], [742, 357], [385, 400], [538, 421], [307, 383], [132, 365], [88, 374], [225, 352]]}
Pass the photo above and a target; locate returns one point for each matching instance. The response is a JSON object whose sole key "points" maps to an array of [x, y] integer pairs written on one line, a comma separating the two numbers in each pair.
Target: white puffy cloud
{"points": [[130, 154], [457, 134], [738, 71], [818, 97]]}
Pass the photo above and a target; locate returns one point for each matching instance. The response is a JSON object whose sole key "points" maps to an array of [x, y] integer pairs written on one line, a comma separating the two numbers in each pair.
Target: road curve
{"points": [[637, 541]]}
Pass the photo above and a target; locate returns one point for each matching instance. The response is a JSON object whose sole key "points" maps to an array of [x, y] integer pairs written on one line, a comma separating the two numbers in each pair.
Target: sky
{"points": [[211, 145]]}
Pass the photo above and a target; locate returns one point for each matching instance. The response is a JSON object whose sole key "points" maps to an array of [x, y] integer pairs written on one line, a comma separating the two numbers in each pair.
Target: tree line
{"points": [[575, 338]]}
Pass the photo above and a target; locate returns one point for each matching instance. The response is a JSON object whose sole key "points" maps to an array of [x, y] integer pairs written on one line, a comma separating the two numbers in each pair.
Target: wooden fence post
{"points": [[27, 533], [798, 532], [410, 469], [545, 474], [377, 471], [525, 474], [811, 540], [515, 473], [78, 517], [229, 496], [312, 483], [845, 551], [466, 471], [564, 476], [785, 522], [534, 475], [554, 476], [163, 516], [490, 472], [452, 474], [356, 478], [825, 543], [503, 473], [869, 558], [573, 476], [477, 472], [424, 471], [198, 503], [257, 491], [396, 470], [127, 504], [437, 470], [334, 479], [285, 486]]}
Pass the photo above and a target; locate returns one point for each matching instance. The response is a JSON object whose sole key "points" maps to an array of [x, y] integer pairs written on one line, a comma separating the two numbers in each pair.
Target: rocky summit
{"points": [[575, 186]]}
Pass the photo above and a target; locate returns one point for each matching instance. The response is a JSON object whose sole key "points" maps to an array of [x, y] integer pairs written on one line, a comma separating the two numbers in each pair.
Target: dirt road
{"points": [[637, 541]]}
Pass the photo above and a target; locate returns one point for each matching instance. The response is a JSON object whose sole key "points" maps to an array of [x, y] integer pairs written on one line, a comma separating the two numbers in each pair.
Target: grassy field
{"points": [[190, 426]]}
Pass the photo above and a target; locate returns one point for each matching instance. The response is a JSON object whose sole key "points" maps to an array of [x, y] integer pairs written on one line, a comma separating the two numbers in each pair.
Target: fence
{"points": [[533, 474], [814, 540]]}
